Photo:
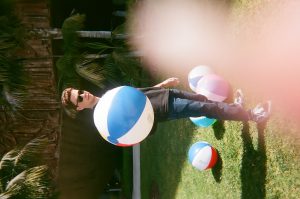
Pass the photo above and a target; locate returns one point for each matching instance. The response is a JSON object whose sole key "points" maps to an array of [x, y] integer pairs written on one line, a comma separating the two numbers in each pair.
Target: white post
{"points": [[136, 193]]}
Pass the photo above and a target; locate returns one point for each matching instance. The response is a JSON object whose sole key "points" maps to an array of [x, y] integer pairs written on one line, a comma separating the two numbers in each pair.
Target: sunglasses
{"points": [[79, 97]]}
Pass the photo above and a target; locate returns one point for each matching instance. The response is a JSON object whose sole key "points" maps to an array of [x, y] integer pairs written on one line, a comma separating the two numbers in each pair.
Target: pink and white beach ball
{"points": [[214, 87]]}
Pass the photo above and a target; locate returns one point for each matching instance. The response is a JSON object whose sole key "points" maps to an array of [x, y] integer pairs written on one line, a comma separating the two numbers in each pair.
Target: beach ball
{"points": [[124, 116], [202, 121], [214, 87], [202, 155], [196, 74]]}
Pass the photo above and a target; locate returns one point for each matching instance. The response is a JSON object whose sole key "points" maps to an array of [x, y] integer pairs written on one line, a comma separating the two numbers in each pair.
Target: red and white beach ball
{"points": [[214, 87], [124, 116], [202, 155], [196, 74]]}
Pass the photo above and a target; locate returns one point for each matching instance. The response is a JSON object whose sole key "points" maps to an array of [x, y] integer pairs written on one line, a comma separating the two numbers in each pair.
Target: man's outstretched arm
{"points": [[170, 82]]}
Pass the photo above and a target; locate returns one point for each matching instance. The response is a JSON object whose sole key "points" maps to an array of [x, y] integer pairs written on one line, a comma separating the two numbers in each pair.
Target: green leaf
{"points": [[69, 28], [97, 46], [7, 167], [31, 183], [32, 154]]}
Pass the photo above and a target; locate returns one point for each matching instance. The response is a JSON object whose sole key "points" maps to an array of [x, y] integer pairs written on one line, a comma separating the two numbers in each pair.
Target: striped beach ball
{"points": [[202, 121], [214, 87], [202, 155], [196, 74], [124, 116]]}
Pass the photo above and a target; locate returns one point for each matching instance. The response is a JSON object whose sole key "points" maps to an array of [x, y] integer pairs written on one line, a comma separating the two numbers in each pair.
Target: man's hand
{"points": [[170, 82]]}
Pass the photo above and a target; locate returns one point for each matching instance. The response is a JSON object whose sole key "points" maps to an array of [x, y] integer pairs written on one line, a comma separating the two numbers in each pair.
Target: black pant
{"points": [[184, 104]]}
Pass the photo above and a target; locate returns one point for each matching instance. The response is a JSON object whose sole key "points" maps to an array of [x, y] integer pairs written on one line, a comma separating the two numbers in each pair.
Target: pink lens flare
{"points": [[257, 50]]}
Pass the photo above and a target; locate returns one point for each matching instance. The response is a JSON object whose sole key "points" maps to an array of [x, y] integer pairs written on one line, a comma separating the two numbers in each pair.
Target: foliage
{"points": [[102, 62], [69, 31], [12, 80], [252, 163], [65, 65], [12, 76], [23, 172]]}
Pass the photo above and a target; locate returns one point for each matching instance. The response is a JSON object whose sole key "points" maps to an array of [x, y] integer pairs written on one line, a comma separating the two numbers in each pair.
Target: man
{"points": [[170, 104]]}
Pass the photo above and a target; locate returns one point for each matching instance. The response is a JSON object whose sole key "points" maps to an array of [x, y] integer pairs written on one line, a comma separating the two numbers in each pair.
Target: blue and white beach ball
{"points": [[214, 87], [124, 116], [196, 74], [203, 121], [202, 155]]}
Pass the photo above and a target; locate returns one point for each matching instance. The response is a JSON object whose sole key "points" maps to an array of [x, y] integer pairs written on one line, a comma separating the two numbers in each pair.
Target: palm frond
{"points": [[117, 68], [14, 186], [121, 29], [7, 167], [13, 97], [98, 46], [7, 41], [69, 31], [31, 183], [67, 75], [32, 154], [65, 63], [12, 33], [8, 159], [92, 72], [22, 176], [12, 81], [12, 73], [129, 66], [4, 46], [113, 70]]}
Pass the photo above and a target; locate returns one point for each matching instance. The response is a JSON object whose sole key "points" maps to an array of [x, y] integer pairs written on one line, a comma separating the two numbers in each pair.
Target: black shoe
{"points": [[239, 98], [261, 113]]}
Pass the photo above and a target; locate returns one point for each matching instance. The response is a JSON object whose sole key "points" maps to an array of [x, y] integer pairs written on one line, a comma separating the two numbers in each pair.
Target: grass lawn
{"points": [[253, 163]]}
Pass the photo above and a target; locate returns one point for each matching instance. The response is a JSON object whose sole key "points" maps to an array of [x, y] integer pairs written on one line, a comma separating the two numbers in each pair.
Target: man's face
{"points": [[82, 99]]}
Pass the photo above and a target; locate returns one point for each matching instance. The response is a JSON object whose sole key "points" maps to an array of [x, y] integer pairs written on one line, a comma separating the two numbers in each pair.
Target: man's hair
{"points": [[69, 108]]}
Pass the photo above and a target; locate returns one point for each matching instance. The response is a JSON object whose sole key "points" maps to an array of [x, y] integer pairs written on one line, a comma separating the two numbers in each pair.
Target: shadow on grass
{"points": [[253, 171], [154, 193], [219, 129], [217, 169], [163, 156]]}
